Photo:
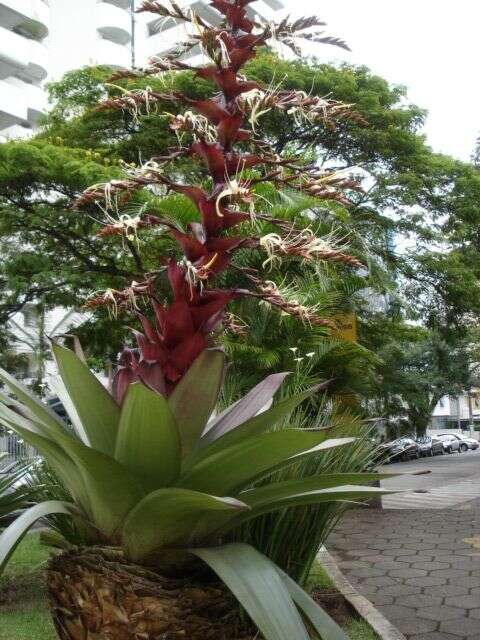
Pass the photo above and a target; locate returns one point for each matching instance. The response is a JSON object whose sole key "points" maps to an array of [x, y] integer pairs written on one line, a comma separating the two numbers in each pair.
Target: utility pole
{"points": [[132, 29]]}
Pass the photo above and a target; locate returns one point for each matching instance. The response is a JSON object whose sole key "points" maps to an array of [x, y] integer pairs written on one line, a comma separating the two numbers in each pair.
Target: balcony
{"points": [[39, 59], [112, 55], [14, 53], [28, 17], [21, 57], [113, 23], [20, 103]]}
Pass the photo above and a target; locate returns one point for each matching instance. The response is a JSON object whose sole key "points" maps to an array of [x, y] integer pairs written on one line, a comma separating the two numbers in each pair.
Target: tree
{"points": [[417, 368]]}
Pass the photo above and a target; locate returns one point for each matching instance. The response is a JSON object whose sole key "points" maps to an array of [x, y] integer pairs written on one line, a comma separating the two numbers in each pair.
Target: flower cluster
{"points": [[221, 134]]}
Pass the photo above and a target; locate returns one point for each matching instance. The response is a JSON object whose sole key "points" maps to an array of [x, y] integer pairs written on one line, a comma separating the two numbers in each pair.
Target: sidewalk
{"points": [[421, 568]]}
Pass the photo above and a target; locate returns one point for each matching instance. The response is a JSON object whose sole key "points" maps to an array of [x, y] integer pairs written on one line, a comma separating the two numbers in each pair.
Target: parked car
{"points": [[472, 443], [452, 442], [429, 446], [401, 449]]}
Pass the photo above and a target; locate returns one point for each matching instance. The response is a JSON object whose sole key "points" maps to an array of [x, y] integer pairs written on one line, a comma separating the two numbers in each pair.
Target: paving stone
{"points": [[464, 602], [353, 564], [427, 581], [367, 573], [401, 590], [474, 613], [379, 599], [384, 544], [381, 581], [419, 546], [441, 613], [463, 628], [362, 552], [447, 590], [407, 573], [394, 611], [469, 582], [465, 563], [391, 564], [417, 558], [366, 589], [414, 625], [419, 600], [397, 552], [430, 566], [449, 573]]}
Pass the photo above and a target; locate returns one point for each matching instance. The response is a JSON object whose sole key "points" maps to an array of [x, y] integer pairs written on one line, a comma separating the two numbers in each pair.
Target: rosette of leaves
{"points": [[160, 481]]}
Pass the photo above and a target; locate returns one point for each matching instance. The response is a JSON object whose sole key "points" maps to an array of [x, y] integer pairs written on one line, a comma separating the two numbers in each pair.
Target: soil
{"points": [[335, 605]]}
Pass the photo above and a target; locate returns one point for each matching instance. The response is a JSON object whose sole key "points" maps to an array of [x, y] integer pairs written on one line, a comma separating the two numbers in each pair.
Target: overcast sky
{"points": [[431, 46]]}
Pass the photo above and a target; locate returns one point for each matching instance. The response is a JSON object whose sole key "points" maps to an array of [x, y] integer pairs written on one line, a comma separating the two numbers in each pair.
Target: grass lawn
{"points": [[23, 608]]}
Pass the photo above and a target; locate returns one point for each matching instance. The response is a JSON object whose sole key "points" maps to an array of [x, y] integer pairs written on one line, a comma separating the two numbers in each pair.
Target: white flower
{"points": [[310, 354], [293, 349]]}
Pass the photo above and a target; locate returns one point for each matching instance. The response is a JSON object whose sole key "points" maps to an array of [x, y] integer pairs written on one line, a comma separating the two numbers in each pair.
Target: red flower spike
{"points": [[227, 81], [235, 14], [182, 329], [214, 157]]}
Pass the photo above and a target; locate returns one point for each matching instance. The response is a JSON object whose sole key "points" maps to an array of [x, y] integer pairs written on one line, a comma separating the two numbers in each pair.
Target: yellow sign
{"points": [[346, 327]]}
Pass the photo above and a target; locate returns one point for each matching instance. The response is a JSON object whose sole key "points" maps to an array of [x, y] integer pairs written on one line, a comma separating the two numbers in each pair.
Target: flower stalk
{"points": [[222, 135]]}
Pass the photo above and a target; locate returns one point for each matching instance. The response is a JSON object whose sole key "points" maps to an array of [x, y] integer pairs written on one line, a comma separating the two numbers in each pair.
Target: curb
{"points": [[365, 609]]}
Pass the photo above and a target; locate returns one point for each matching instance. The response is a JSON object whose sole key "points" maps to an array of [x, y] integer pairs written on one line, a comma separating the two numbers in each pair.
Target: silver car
{"points": [[452, 442]]}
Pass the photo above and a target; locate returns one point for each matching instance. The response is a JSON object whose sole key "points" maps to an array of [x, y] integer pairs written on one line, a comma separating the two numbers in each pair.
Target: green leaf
{"points": [[279, 490], [148, 443], [236, 466], [61, 462], [34, 404], [284, 499], [112, 490], [323, 624], [172, 517], [195, 396], [13, 535], [246, 408], [258, 587], [255, 426], [60, 390], [95, 407], [104, 487]]}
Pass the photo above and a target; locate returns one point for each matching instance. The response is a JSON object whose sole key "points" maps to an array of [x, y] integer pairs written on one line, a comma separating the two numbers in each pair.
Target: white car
{"points": [[472, 443], [452, 442]]}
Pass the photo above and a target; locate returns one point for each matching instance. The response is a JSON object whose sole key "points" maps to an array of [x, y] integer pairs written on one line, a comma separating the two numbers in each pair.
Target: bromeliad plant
{"points": [[158, 481]]}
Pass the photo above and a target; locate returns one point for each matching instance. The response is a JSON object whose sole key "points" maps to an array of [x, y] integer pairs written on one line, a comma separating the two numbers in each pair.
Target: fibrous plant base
{"points": [[95, 595]]}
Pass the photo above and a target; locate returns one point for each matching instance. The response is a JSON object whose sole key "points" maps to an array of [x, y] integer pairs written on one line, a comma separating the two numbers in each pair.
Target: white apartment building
{"points": [[24, 62], [457, 412]]}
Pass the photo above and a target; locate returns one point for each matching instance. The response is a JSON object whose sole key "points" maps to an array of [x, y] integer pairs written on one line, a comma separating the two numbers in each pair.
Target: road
{"points": [[452, 480]]}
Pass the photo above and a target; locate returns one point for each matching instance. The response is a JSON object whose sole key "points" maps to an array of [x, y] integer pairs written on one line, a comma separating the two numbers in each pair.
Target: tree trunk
{"points": [[96, 595]]}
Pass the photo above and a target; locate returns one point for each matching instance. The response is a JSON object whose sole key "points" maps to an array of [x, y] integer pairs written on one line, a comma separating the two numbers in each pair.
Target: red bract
{"points": [[168, 346], [182, 328]]}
